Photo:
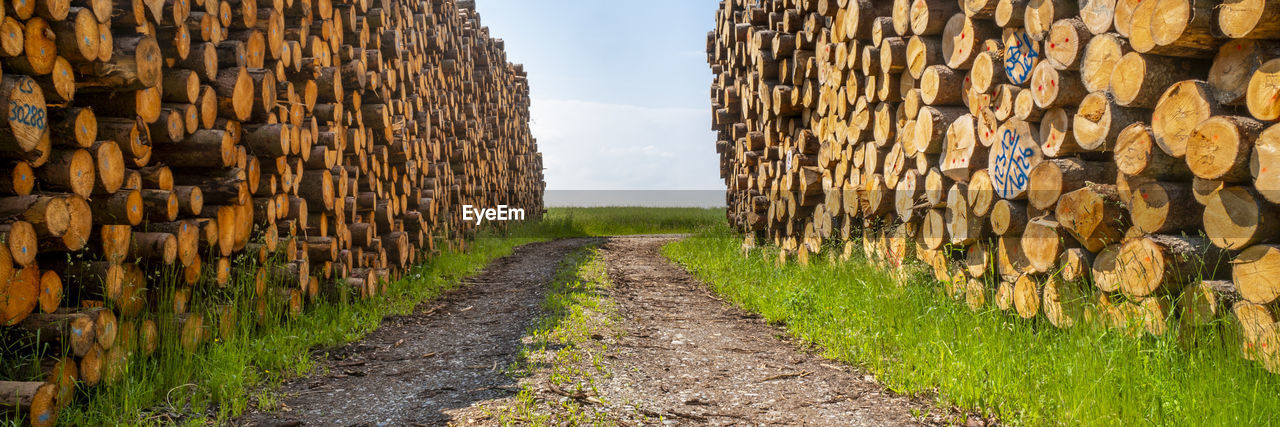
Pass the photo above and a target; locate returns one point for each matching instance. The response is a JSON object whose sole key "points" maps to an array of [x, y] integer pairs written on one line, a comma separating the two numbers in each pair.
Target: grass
{"points": [[243, 367], [565, 351], [916, 341], [211, 384], [617, 221]]}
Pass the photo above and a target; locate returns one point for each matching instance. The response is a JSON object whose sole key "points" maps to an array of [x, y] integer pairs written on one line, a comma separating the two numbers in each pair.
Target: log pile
{"points": [[159, 155], [1112, 162]]}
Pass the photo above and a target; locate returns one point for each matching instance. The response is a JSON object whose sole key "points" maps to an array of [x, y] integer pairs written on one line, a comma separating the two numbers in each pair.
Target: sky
{"points": [[620, 89]]}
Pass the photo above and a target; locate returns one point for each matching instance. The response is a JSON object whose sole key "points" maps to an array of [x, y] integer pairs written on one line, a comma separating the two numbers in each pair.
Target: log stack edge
{"points": [[1102, 162], [161, 159]]}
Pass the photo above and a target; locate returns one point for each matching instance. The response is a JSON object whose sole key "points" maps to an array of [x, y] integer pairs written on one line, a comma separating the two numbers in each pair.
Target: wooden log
{"points": [[1262, 164], [963, 227], [26, 117], [70, 170], [123, 207], [1204, 302], [49, 215], [1249, 19], [962, 40], [930, 17], [1021, 56], [1043, 241], [1098, 15], [1157, 263], [1234, 66], [1253, 272], [1099, 61], [1065, 43], [1008, 217], [1137, 155], [1138, 78], [35, 400], [1164, 208], [1063, 302], [1238, 217], [1092, 216], [1011, 159], [1026, 297], [1219, 148], [1010, 13], [73, 330], [1184, 26], [923, 52], [986, 72], [1050, 179], [1180, 109], [135, 63]]}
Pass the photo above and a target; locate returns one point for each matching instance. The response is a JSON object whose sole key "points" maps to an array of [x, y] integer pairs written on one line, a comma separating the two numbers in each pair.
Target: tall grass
{"points": [[916, 341]]}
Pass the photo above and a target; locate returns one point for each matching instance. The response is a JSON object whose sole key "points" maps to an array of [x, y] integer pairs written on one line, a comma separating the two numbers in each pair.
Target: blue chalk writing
{"points": [[27, 85], [1011, 165], [26, 114], [1019, 63]]}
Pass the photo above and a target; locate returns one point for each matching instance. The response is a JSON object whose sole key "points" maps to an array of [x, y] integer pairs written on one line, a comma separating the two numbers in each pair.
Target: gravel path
{"points": [[684, 356]]}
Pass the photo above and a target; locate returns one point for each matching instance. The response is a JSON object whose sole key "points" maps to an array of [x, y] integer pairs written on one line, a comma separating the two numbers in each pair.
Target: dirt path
{"points": [[681, 355], [448, 354], [691, 357]]}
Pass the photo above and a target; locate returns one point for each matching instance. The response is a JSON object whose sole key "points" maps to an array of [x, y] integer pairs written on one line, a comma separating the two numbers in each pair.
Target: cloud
{"points": [[599, 146]]}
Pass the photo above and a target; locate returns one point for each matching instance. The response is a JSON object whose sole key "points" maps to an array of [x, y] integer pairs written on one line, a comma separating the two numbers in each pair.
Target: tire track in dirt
{"points": [[418, 368], [688, 356]]}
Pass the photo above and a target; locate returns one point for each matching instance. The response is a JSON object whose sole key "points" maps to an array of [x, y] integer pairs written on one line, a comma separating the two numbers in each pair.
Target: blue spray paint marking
{"points": [[1011, 165], [26, 114], [1018, 64]]}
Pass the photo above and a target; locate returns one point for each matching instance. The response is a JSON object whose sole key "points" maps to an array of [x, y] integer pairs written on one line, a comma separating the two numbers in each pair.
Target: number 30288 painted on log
{"points": [[24, 113], [27, 114]]}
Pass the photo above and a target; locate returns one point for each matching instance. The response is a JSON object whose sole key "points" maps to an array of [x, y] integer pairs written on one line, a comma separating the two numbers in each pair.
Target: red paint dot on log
{"points": [[1067, 40], [1052, 45]]}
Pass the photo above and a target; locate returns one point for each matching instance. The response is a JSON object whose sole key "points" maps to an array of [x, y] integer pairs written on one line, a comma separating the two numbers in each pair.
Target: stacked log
{"points": [[154, 152], [1091, 162]]}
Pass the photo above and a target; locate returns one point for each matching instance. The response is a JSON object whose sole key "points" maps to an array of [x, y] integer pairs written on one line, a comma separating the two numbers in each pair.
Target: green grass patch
{"points": [[916, 341], [565, 351], [214, 383], [618, 221]]}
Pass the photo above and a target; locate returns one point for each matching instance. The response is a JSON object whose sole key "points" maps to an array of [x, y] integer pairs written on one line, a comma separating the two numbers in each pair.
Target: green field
{"points": [[1023, 372], [617, 221]]}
